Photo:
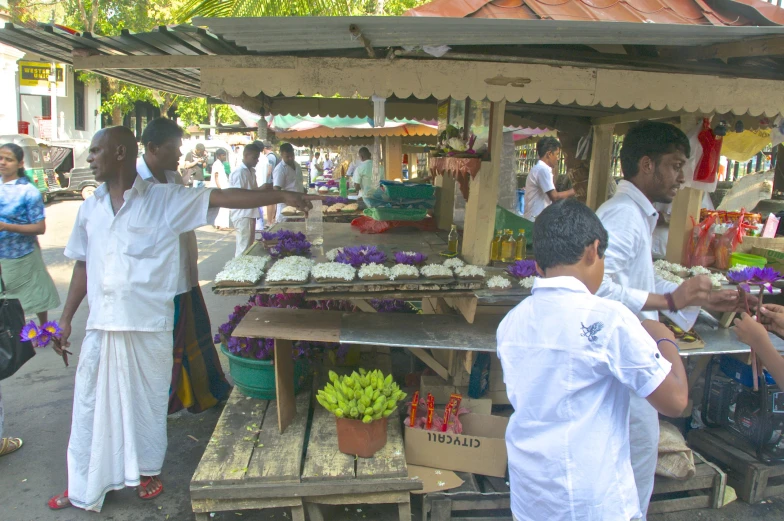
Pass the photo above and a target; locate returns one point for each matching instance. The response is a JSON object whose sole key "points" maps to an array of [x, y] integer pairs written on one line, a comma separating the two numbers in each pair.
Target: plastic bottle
{"points": [[520, 246], [343, 187], [452, 241], [508, 247], [495, 247]]}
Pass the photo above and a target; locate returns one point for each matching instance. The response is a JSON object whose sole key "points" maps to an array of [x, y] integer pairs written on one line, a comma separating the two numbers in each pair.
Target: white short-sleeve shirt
{"points": [[538, 183], [244, 177], [130, 281], [569, 360], [287, 178]]}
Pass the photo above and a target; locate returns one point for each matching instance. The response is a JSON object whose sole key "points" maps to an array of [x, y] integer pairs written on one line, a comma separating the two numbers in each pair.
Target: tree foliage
{"points": [[242, 8]]}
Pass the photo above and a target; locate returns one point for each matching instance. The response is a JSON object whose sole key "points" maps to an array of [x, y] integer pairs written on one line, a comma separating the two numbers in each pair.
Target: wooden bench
{"points": [[704, 490], [249, 464]]}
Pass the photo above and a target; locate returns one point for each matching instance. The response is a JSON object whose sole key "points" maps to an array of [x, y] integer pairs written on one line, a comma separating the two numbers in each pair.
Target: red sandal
{"points": [[143, 488], [56, 503]]}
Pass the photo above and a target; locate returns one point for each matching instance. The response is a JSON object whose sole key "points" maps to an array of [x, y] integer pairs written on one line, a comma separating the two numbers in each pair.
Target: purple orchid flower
{"points": [[359, 255], [30, 333], [522, 269], [410, 258]]}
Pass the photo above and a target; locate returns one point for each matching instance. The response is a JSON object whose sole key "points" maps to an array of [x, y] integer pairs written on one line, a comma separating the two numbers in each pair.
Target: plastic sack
{"points": [[676, 460]]}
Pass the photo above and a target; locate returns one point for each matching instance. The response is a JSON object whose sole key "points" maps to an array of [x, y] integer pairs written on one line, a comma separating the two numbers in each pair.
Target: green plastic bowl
{"points": [[747, 259], [256, 378]]}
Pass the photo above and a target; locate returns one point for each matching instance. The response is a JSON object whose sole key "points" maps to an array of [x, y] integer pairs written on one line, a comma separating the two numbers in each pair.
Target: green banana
{"points": [[367, 419]]}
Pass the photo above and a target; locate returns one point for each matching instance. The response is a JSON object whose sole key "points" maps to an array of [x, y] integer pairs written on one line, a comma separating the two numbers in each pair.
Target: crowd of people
{"points": [[586, 385]]}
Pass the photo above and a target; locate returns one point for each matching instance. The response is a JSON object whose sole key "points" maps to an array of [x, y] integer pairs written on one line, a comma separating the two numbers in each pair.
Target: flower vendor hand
{"points": [[772, 317], [750, 331], [695, 291], [728, 300]]}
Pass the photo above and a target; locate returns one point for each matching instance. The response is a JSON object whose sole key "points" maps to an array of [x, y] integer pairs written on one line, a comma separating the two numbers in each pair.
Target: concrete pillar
{"points": [[393, 158]]}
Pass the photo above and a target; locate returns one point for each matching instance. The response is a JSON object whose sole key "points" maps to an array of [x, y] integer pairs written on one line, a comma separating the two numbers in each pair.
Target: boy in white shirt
{"points": [[568, 376]]}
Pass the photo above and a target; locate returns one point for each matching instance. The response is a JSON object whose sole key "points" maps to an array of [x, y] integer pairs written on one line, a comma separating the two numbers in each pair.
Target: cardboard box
{"points": [[749, 243], [442, 391], [497, 389], [480, 449], [775, 258]]}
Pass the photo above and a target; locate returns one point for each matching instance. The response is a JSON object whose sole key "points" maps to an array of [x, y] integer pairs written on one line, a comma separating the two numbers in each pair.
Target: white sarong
{"points": [[118, 429], [644, 447]]}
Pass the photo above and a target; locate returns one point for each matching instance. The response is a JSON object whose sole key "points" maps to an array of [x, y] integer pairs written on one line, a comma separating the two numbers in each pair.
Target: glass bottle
{"points": [[520, 246], [508, 247], [495, 246], [452, 240]]}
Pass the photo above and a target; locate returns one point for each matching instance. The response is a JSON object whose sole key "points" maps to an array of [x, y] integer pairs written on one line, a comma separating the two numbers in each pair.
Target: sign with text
{"points": [[34, 78]]}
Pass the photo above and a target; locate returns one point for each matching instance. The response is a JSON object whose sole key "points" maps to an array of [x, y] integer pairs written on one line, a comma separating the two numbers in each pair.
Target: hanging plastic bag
{"points": [[705, 175], [701, 243], [728, 242]]}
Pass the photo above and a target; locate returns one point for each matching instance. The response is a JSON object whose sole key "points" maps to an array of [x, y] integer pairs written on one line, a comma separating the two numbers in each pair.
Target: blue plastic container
{"points": [[737, 370], [521, 202]]}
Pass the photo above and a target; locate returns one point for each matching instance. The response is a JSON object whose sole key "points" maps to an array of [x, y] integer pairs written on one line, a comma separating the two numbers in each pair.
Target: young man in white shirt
{"points": [[652, 160], [126, 244], [328, 164], [288, 174], [244, 176], [316, 168], [568, 377], [540, 189]]}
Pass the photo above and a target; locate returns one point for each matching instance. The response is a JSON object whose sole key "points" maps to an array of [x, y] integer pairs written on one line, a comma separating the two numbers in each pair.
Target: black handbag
{"points": [[13, 351]]}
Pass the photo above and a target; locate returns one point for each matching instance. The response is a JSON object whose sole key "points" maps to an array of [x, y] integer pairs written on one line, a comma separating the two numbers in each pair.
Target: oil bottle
{"points": [[495, 246], [508, 247], [520, 246], [452, 240]]}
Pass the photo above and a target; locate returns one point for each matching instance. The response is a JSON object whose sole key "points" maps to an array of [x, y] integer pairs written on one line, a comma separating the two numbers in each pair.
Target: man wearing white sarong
{"points": [[124, 267]]}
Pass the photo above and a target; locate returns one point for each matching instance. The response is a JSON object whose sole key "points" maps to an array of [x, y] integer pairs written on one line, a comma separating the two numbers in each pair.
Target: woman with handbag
{"points": [[23, 268]]}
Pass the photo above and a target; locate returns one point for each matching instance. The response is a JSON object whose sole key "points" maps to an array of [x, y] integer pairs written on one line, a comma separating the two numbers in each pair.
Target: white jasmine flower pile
{"points": [[403, 271], [739, 267], [245, 268], [290, 269], [499, 282], [373, 271], [699, 270], [527, 282], [353, 207], [335, 208], [668, 276], [334, 271], [717, 279], [469, 272], [331, 254], [454, 263], [437, 270], [672, 267]]}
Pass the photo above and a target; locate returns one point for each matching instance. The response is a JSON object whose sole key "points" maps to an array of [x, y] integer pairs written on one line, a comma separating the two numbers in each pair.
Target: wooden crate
{"points": [[479, 498], [752, 480], [704, 490], [250, 465]]}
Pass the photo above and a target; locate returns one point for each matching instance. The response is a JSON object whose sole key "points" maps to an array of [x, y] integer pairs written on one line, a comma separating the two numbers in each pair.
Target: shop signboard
{"points": [[34, 78]]}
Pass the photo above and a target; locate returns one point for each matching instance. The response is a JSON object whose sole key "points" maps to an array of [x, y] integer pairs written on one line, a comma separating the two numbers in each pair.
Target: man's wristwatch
{"points": [[670, 302]]}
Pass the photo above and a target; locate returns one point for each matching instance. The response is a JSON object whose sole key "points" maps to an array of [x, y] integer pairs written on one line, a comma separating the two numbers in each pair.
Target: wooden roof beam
{"points": [[768, 46]]}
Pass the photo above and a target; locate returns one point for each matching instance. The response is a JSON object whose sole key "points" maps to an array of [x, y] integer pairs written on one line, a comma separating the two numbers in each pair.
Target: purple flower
{"points": [[392, 306], [216, 339], [52, 328], [281, 235], [739, 276], [289, 247], [43, 339], [30, 333], [410, 258], [522, 269], [329, 201], [359, 255], [766, 275]]}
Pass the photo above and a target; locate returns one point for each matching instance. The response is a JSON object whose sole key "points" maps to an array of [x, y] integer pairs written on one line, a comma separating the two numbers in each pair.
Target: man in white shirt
{"points": [[244, 221], [652, 160], [316, 168], [272, 161], [288, 174], [569, 376], [125, 240], [328, 164], [363, 173], [540, 189]]}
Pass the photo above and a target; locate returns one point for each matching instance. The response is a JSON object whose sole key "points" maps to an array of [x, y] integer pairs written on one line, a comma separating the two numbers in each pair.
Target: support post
{"points": [[480, 207], [445, 201], [599, 171], [685, 207], [393, 158], [284, 383]]}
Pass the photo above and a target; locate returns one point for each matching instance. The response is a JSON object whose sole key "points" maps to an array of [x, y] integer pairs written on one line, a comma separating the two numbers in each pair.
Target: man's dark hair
{"points": [[364, 153], [652, 139], [546, 145], [251, 147], [563, 231], [161, 130], [286, 147], [317, 154], [220, 152]]}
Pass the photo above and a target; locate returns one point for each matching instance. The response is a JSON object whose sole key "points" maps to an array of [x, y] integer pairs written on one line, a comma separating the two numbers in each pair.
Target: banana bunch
{"points": [[365, 396]]}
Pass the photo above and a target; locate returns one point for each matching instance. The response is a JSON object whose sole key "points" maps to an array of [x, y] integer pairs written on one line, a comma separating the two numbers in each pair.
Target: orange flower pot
{"points": [[361, 439]]}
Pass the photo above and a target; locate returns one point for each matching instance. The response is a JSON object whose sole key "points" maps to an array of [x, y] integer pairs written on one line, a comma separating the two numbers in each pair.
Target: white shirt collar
{"points": [[638, 197], [563, 283]]}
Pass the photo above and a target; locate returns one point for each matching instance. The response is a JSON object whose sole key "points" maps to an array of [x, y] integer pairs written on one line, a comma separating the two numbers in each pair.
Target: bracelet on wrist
{"points": [[659, 341], [670, 302]]}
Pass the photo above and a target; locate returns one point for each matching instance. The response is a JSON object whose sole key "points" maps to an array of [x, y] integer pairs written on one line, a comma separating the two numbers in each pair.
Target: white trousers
{"points": [[121, 398], [644, 446], [2, 414], [245, 228]]}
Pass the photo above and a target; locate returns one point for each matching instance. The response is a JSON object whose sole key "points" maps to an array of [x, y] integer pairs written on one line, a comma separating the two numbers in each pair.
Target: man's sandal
{"points": [[59, 502], [143, 491], [9, 445]]}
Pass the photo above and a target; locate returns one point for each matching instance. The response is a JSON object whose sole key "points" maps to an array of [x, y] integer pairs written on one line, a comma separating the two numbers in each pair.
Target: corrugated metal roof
{"points": [[295, 34], [689, 12]]}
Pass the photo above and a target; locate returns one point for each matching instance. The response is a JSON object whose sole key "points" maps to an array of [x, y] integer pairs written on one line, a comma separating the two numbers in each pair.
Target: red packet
{"points": [[447, 413], [457, 398], [431, 405], [414, 405]]}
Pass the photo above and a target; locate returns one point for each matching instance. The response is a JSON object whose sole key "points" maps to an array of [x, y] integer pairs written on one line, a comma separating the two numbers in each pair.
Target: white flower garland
{"points": [[470, 271], [527, 282], [373, 270], [436, 270], [403, 271], [245, 268], [454, 263], [672, 267], [334, 270], [699, 270], [333, 253], [668, 276], [290, 269], [499, 282], [717, 279]]}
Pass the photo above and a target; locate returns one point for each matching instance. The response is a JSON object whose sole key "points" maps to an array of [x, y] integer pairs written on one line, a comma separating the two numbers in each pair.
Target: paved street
{"points": [[38, 408]]}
